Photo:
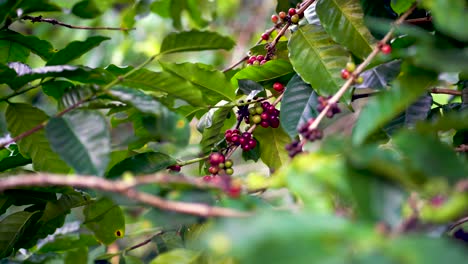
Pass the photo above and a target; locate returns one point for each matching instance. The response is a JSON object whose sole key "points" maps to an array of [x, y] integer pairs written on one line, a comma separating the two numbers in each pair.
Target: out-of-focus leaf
{"points": [[69, 241], [343, 20], [143, 163], [195, 40], [299, 103], [106, 219], [272, 142], [182, 256], [23, 117], [86, 9], [82, 139], [417, 111], [449, 17], [284, 5], [76, 256], [13, 159], [11, 229], [271, 70], [317, 59], [138, 99], [12, 51], [409, 86], [37, 46], [75, 49], [401, 6]]}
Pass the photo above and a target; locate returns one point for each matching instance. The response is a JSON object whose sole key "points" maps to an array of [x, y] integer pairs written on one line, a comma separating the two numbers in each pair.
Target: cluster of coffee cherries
{"points": [[264, 114], [332, 110], [218, 163], [282, 17], [348, 70], [310, 134], [232, 187], [244, 140], [294, 148], [257, 60]]}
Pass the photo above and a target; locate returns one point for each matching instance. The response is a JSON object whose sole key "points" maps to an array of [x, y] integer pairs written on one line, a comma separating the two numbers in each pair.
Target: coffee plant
{"points": [[134, 132]]}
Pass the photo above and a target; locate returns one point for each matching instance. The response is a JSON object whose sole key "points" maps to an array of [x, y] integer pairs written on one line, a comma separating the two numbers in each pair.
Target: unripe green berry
{"points": [[350, 66], [295, 19], [229, 171], [252, 111], [258, 110], [228, 163], [256, 119], [359, 80]]}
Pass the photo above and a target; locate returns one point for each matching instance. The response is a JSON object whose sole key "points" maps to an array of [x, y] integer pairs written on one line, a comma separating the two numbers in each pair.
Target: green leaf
{"points": [[431, 157], [106, 219], [11, 229], [76, 256], [24, 117], [211, 82], [380, 76], [82, 139], [161, 8], [417, 111], [272, 142], [343, 20], [449, 17], [401, 6], [317, 59], [284, 5], [181, 256], [69, 241], [75, 49], [269, 71], [299, 103], [12, 51], [195, 40], [13, 160], [6, 7], [162, 82], [56, 89], [407, 88], [248, 86], [6, 73], [143, 163], [86, 9], [37, 46], [214, 122], [138, 99]]}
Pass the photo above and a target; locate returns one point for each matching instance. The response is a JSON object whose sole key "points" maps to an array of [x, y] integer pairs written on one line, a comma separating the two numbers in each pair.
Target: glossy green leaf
{"points": [[212, 83], [343, 20], [401, 6], [6, 73], [212, 131], [248, 86], [299, 103], [24, 117], [56, 89], [86, 9], [12, 159], [271, 70], [138, 99], [162, 82], [106, 219], [182, 256], [82, 139], [12, 51], [449, 17], [143, 163], [272, 142], [11, 229], [430, 156], [408, 87], [37, 46], [195, 40], [75, 49], [317, 59]]}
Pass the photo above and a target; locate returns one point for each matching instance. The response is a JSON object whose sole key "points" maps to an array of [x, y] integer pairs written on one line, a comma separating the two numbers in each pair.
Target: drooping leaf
{"points": [[272, 142], [299, 102], [75, 49], [24, 117], [343, 20], [11, 229], [211, 132], [138, 99], [37, 46], [317, 59], [428, 155], [106, 219], [195, 40], [143, 163], [82, 139], [408, 87], [212, 83], [271, 70]]}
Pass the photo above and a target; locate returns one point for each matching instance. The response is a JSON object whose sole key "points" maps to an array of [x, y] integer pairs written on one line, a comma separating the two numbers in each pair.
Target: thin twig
{"points": [[122, 187], [445, 91], [56, 22], [147, 241]]}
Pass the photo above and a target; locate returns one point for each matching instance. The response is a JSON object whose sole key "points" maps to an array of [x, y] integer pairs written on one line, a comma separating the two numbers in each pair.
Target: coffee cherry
{"points": [[229, 171], [274, 123], [350, 66], [258, 110], [263, 62], [265, 36], [260, 57], [386, 49], [359, 80], [256, 119], [282, 15], [279, 87], [265, 116], [216, 158], [235, 139], [234, 191], [207, 178], [213, 170], [291, 11], [252, 59], [256, 62], [345, 74], [274, 19], [252, 111], [228, 163], [175, 168], [265, 124], [295, 19]]}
